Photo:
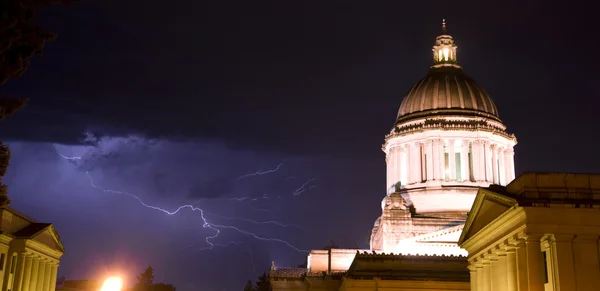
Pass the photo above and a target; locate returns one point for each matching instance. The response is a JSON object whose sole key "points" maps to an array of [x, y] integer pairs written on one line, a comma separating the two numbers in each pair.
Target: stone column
{"points": [[511, 160], [19, 272], [437, 167], [464, 162], [398, 165], [442, 159], [502, 167], [34, 274], [41, 275], [511, 269], [506, 170], [26, 273], [535, 263], [415, 164], [487, 283], [475, 159], [391, 162], [429, 160], [482, 161], [47, 277], [388, 170], [404, 164], [494, 280], [423, 163], [494, 150], [479, 277], [473, 277], [452, 160], [502, 272], [53, 274], [487, 162], [562, 266]]}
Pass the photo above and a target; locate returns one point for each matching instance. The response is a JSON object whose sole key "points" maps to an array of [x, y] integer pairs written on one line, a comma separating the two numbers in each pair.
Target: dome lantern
{"points": [[444, 50]]}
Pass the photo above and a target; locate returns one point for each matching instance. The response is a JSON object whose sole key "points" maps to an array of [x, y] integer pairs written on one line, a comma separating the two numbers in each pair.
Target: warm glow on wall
{"points": [[112, 284]]}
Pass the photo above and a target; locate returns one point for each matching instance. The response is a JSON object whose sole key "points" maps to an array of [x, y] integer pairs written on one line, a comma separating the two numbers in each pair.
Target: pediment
{"points": [[50, 238], [487, 207]]}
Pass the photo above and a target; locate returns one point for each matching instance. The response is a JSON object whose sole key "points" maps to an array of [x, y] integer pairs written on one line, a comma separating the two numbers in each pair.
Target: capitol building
{"points": [[454, 216]]}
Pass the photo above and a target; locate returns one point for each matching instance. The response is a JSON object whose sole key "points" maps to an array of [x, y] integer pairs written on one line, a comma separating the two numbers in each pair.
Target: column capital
{"points": [[529, 237]]}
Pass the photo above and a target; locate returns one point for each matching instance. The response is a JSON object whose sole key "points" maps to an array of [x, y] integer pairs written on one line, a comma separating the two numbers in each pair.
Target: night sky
{"points": [[176, 102]]}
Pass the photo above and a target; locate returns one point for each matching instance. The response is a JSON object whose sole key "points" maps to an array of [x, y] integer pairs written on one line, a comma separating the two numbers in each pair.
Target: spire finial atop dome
{"points": [[444, 31], [444, 50]]}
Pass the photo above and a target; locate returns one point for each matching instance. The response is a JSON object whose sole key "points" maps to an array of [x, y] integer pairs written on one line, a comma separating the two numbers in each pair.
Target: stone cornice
{"points": [[382, 256], [444, 124]]}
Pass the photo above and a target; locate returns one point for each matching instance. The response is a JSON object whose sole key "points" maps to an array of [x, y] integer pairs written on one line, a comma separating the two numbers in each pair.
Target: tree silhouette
{"points": [[262, 284], [146, 282], [248, 286], [20, 40]]}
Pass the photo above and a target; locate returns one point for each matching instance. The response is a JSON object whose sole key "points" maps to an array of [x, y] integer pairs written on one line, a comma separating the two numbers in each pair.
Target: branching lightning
{"points": [[205, 223], [258, 173]]}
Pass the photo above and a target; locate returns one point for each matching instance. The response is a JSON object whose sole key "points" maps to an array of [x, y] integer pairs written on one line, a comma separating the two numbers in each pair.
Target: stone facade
{"points": [[539, 233], [30, 252]]}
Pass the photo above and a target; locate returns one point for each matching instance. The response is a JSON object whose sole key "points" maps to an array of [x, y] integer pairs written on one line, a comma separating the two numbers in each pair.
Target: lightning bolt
{"points": [[256, 222], [205, 223], [69, 158], [303, 188], [259, 173], [193, 208]]}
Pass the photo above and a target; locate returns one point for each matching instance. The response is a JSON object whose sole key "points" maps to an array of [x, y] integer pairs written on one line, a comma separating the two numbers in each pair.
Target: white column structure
{"points": [[464, 161], [437, 165], [452, 159], [488, 162], [475, 159], [429, 159], [423, 161], [511, 163], [404, 164], [502, 167], [412, 174], [482, 161], [494, 149]]}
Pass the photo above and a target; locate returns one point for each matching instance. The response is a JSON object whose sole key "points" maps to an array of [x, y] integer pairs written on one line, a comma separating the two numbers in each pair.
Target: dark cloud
{"points": [[292, 77]]}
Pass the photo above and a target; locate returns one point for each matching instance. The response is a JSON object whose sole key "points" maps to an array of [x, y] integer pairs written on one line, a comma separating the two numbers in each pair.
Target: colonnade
{"points": [[34, 273], [538, 263], [449, 160]]}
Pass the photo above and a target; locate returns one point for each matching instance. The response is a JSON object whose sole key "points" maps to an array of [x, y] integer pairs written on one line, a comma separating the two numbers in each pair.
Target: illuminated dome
{"points": [[446, 90]]}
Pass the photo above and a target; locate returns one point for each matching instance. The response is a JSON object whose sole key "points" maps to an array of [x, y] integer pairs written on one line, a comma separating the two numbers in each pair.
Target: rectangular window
{"points": [[545, 258], [13, 263], [2, 259]]}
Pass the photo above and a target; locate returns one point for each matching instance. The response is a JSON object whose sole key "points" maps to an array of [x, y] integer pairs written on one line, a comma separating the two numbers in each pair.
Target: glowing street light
{"points": [[112, 284]]}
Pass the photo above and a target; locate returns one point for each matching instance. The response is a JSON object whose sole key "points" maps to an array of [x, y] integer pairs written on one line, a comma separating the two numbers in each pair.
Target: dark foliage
{"points": [[146, 282], [262, 284], [248, 286], [20, 40]]}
